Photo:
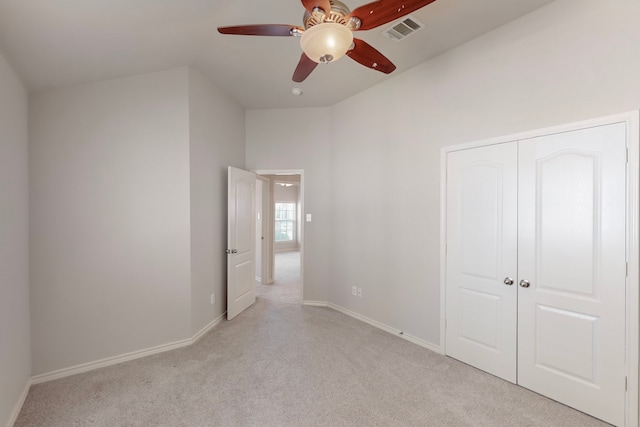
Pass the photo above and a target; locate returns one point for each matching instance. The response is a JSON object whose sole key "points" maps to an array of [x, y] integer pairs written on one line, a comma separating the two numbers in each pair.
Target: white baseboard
{"points": [[422, 343], [102, 363], [286, 248], [19, 403], [315, 303], [386, 328], [215, 322], [109, 361]]}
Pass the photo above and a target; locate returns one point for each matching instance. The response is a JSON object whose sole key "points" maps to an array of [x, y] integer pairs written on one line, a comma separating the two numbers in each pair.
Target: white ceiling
{"points": [[67, 42]]}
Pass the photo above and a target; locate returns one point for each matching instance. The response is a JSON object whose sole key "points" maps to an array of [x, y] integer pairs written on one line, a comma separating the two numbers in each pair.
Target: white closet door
{"points": [[481, 254], [241, 241], [571, 319]]}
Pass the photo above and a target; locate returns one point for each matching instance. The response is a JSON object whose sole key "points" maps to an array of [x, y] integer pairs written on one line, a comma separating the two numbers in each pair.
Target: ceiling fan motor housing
{"points": [[338, 14]]}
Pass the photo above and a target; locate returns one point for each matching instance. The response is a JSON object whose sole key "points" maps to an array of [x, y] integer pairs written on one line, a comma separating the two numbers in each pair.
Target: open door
{"points": [[241, 290]]}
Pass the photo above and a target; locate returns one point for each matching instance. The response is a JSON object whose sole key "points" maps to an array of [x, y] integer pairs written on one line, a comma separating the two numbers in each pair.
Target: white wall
{"points": [[110, 223], [15, 339], [285, 194], [291, 139], [217, 141], [569, 61]]}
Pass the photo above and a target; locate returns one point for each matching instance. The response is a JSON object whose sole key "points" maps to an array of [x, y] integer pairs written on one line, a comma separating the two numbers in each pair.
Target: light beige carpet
{"points": [[282, 364]]}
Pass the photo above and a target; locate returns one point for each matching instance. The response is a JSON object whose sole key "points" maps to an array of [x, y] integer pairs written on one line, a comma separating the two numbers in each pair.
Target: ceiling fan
{"points": [[328, 32]]}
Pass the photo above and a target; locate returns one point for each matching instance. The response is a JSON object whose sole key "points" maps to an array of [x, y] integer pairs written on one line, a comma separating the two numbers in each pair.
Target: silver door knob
{"points": [[525, 283], [508, 281]]}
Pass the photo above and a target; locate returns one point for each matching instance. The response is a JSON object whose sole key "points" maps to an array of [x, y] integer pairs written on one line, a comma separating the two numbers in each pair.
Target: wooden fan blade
{"points": [[304, 68], [260, 30], [380, 12], [322, 4], [370, 57]]}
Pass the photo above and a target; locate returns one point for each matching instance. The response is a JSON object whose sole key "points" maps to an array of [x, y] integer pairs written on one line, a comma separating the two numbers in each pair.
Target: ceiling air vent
{"points": [[403, 29]]}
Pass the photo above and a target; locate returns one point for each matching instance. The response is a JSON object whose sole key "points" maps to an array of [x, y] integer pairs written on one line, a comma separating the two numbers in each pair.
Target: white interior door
{"points": [[571, 317], [481, 258], [241, 226]]}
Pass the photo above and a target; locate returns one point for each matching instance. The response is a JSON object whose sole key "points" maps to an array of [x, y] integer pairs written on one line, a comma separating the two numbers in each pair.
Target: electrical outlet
{"points": [[213, 298], [359, 292], [354, 291]]}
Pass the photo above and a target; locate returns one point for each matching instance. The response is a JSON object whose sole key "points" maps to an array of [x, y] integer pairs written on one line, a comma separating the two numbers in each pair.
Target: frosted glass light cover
{"points": [[326, 42]]}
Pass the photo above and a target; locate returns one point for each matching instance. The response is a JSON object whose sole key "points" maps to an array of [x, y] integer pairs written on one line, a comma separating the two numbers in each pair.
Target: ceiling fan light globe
{"points": [[326, 42]]}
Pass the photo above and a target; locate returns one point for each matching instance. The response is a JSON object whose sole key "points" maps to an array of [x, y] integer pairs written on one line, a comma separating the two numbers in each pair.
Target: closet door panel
{"points": [[571, 249], [481, 253]]}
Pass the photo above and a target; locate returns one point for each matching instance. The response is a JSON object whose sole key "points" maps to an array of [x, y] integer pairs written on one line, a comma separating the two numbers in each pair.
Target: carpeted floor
{"points": [[282, 364]]}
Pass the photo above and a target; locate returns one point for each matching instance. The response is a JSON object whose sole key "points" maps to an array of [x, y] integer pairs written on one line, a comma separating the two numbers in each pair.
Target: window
{"points": [[285, 222]]}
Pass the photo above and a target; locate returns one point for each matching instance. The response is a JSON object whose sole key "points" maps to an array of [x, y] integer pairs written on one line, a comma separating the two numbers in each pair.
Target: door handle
{"points": [[508, 281], [525, 283], [231, 251]]}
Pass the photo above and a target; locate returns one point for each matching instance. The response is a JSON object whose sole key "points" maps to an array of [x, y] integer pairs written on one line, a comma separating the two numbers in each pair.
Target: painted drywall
{"points": [[286, 194], [299, 139], [110, 218], [217, 141], [15, 335], [569, 61]]}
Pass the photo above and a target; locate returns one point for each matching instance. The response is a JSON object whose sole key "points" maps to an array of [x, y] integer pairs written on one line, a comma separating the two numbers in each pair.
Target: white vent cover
{"points": [[403, 29]]}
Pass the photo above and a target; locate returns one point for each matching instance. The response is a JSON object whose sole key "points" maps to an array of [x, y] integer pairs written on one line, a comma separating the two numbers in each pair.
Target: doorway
{"points": [[280, 234]]}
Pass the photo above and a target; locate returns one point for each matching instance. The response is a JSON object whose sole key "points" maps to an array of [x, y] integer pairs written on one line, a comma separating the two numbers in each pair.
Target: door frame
{"points": [[632, 121], [270, 247], [266, 271]]}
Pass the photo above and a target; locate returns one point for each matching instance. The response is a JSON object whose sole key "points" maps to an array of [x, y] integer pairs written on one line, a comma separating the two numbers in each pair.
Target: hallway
{"points": [[287, 285]]}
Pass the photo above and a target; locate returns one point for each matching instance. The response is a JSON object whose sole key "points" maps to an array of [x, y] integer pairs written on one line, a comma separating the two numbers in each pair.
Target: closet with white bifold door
{"points": [[540, 271]]}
